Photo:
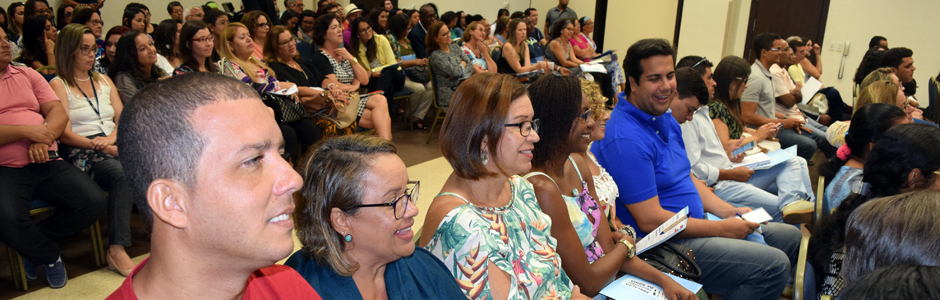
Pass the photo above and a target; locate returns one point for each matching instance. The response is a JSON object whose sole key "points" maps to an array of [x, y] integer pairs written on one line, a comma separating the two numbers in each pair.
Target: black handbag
{"points": [[417, 74], [673, 259], [285, 109]]}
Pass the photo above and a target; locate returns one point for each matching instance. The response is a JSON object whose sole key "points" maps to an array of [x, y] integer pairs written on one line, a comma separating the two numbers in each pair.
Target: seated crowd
{"points": [[525, 213]]}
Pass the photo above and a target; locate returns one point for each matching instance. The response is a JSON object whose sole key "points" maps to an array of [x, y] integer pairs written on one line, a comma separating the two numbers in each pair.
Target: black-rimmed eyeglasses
{"points": [[526, 127], [399, 208]]}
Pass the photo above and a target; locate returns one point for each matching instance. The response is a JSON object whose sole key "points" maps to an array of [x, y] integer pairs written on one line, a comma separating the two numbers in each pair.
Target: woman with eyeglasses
{"points": [[196, 45], [216, 20], [604, 185], [258, 25], [111, 39], [485, 224], [94, 108], [731, 75], [585, 48], [354, 217], [134, 64], [476, 49], [63, 16], [375, 54], [591, 253], [91, 19], [39, 38]]}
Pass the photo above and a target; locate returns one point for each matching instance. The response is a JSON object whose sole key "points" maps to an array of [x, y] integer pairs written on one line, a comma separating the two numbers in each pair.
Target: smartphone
{"points": [[779, 126], [742, 149], [228, 7], [53, 154]]}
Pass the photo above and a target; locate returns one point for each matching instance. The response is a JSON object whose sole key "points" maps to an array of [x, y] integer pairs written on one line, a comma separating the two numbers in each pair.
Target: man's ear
{"points": [[170, 201], [633, 83]]}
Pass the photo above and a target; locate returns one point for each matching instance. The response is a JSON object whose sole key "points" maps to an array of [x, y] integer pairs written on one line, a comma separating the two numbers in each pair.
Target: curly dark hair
{"points": [[398, 26], [321, 25], [870, 62], [557, 102]]}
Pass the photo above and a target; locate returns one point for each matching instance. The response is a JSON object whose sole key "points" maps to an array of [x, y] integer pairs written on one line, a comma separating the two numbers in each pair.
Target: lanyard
{"points": [[89, 100]]}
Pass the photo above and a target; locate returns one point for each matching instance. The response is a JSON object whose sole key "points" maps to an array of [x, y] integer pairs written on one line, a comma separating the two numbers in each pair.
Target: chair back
{"points": [[933, 102], [433, 86]]}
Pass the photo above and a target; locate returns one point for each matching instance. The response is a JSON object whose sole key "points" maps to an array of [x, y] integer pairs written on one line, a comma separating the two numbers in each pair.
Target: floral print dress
{"points": [[515, 238]]}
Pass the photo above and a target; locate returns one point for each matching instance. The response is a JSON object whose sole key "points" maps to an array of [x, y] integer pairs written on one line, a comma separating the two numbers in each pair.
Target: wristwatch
{"points": [[630, 250]]}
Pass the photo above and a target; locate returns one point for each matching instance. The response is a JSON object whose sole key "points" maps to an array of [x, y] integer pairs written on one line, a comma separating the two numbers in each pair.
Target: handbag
{"points": [[675, 259], [345, 117], [417, 74], [286, 110]]}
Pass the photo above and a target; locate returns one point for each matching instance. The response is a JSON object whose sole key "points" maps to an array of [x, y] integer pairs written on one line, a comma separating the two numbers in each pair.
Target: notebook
{"points": [[635, 288]]}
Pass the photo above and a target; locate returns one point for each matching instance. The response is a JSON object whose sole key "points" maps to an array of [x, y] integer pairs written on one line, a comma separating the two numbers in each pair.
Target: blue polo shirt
{"points": [[646, 157]]}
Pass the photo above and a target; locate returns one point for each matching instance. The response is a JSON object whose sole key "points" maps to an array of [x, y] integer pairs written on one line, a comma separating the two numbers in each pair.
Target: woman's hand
{"points": [[564, 71], [766, 131], [340, 99], [463, 63], [100, 142], [542, 65], [111, 150], [50, 45], [674, 291], [576, 294], [422, 61], [342, 52]]}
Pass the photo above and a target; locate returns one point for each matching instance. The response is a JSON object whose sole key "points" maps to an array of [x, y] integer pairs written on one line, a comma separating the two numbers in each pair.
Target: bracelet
{"points": [[631, 251], [329, 86]]}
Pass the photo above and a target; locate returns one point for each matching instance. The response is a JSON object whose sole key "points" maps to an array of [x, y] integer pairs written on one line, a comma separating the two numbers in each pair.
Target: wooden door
{"points": [[786, 18]]}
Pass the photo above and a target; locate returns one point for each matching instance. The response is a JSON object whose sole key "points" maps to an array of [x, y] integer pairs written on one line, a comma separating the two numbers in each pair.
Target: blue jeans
{"points": [[78, 201], [740, 269], [771, 188], [807, 142]]}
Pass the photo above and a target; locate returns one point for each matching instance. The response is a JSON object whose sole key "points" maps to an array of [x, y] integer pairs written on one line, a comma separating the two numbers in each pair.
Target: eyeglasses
{"points": [[68, 14], [774, 49], [86, 50], [204, 39], [43, 12], [263, 24], [286, 42], [365, 30], [526, 127], [400, 207], [97, 22], [585, 115], [703, 60]]}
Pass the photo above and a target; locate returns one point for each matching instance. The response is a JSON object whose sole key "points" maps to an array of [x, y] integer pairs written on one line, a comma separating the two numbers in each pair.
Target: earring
{"points": [[485, 158], [348, 238]]}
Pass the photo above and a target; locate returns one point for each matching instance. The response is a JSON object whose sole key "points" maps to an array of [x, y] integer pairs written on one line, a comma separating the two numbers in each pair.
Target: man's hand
{"points": [[791, 123], [39, 134], [38, 153], [736, 228], [741, 174]]}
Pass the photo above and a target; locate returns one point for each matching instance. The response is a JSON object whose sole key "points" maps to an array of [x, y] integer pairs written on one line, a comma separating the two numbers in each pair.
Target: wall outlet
{"points": [[832, 46], [839, 46]]}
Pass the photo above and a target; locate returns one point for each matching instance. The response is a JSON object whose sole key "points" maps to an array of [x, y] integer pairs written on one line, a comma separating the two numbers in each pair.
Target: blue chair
{"points": [[37, 207]]}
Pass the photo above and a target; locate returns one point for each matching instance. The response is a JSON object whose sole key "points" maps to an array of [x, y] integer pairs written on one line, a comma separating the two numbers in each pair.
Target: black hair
{"points": [[398, 25], [516, 15], [895, 56], [869, 123], [6, 18], [641, 50], [374, 20], [12, 34], [129, 14], [764, 41], [558, 27], [286, 16], [140, 6], [212, 15], [795, 42], [171, 5], [870, 62], [898, 282], [34, 45], [189, 30], [695, 62], [689, 83], [528, 11], [901, 149], [60, 16], [876, 41], [556, 101], [447, 17], [321, 25], [354, 41], [474, 18], [502, 13], [308, 13], [125, 60], [29, 9], [168, 105], [82, 16], [163, 37]]}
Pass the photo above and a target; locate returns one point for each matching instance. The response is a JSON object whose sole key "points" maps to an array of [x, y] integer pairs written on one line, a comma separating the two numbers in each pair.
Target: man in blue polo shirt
{"points": [[643, 135]]}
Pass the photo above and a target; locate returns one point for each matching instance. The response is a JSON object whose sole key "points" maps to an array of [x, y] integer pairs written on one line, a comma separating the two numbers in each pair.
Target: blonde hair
{"points": [[253, 64], [470, 27], [595, 97], [881, 91], [876, 75]]}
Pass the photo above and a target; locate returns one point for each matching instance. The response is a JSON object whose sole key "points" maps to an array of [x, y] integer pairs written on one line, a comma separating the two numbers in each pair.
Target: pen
{"points": [[758, 228], [674, 224]]}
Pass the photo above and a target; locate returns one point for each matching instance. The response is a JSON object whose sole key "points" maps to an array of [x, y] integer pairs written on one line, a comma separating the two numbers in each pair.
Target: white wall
{"points": [[703, 36], [904, 23], [629, 21]]}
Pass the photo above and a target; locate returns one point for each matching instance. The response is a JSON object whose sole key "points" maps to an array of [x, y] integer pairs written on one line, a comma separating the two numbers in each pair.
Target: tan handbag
{"points": [[344, 115]]}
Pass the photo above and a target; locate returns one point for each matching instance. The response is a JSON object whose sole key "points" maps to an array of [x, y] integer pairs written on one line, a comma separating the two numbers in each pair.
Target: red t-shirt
{"points": [[273, 282]]}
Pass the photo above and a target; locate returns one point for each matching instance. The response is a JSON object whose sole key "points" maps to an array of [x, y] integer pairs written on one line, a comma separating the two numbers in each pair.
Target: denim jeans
{"points": [[78, 201], [740, 269], [110, 176], [807, 142], [771, 188]]}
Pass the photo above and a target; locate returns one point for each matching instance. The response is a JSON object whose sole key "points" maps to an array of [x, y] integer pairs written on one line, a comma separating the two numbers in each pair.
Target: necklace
{"points": [[83, 80]]}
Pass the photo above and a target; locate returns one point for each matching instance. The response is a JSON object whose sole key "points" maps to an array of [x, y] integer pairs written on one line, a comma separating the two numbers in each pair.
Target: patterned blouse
{"points": [[448, 72], [718, 110], [579, 207], [230, 68], [606, 189], [516, 238]]}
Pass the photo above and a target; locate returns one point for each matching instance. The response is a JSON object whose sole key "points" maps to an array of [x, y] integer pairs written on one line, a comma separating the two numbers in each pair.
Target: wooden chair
{"points": [[404, 95], [38, 207], [439, 116]]}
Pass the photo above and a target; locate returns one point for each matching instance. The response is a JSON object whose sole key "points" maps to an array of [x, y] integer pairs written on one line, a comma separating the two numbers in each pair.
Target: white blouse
{"points": [[85, 121]]}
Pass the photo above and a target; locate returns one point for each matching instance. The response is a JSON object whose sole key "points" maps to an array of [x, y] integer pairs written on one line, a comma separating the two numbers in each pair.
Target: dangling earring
{"points": [[348, 238], [485, 158]]}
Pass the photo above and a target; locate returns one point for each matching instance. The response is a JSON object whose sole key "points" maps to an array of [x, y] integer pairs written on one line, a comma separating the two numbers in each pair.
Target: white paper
{"points": [[779, 156], [757, 216], [664, 232], [286, 92], [752, 161], [593, 68], [635, 288], [810, 88]]}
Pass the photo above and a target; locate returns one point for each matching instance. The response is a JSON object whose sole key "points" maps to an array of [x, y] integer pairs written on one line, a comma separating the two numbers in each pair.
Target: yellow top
{"points": [[796, 72], [383, 53]]}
